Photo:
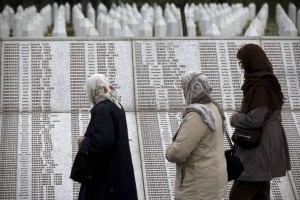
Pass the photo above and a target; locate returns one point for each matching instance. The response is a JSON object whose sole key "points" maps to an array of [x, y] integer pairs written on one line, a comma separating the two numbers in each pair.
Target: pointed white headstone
{"points": [[292, 12], [4, 28], [115, 29], [204, 23], [91, 15], [17, 25], [133, 24], [5, 17], [107, 23], [213, 30], [251, 31], [92, 32], [191, 27], [101, 9], [298, 20], [172, 26], [20, 8], [145, 30], [67, 12], [100, 20], [29, 30], [160, 28], [126, 32], [289, 29], [39, 24], [252, 10], [59, 28]]}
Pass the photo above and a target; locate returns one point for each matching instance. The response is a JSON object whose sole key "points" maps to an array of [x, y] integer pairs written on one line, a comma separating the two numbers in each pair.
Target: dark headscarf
{"points": [[261, 87]]}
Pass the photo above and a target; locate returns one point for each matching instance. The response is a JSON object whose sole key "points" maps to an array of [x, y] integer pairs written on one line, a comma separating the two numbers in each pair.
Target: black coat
{"points": [[106, 141]]}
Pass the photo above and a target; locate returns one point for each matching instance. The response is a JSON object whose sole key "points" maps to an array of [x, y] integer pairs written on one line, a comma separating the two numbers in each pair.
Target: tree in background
{"points": [[181, 5]]}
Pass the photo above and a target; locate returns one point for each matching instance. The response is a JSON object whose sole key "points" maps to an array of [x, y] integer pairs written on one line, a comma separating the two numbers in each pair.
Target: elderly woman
{"points": [[262, 97], [198, 146], [105, 146]]}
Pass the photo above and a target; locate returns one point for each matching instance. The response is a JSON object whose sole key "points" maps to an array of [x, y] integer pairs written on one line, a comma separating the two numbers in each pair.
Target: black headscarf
{"points": [[261, 87]]}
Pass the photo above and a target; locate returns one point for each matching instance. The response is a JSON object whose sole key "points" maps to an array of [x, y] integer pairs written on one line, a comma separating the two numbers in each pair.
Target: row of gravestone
{"points": [[127, 21]]}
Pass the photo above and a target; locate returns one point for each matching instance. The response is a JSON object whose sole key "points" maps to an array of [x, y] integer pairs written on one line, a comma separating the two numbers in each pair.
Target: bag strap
{"points": [[268, 116], [227, 135], [229, 140]]}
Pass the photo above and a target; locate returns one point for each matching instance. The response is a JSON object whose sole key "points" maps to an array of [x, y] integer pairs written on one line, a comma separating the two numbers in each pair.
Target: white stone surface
{"points": [[172, 26], [145, 29], [47, 80], [204, 23], [91, 14], [213, 30], [298, 20], [251, 31], [115, 29], [126, 32], [191, 28], [44, 153], [4, 28], [292, 11], [252, 9], [133, 24], [29, 30], [60, 27], [160, 27], [67, 12], [114, 60]]}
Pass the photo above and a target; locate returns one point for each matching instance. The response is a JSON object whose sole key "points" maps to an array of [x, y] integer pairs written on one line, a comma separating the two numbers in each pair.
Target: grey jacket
{"points": [[271, 158]]}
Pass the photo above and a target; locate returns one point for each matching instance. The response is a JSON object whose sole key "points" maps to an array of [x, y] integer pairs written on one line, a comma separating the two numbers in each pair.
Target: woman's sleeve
{"points": [[102, 133], [191, 131], [252, 119]]}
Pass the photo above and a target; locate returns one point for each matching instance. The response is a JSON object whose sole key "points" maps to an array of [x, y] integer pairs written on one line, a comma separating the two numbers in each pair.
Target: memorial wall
{"points": [[44, 109]]}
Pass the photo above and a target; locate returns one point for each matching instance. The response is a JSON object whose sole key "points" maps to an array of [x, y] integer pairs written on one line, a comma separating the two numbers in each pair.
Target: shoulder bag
{"points": [[234, 165], [250, 138]]}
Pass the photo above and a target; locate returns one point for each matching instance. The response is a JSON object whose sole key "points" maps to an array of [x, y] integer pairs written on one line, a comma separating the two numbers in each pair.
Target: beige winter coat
{"points": [[198, 152]]}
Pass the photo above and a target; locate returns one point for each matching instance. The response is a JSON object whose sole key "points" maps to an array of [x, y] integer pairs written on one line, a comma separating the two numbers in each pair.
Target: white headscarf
{"points": [[98, 89]]}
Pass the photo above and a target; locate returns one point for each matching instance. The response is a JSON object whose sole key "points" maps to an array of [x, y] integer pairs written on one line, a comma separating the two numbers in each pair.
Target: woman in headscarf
{"points": [[106, 143], [198, 146], [262, 96]]}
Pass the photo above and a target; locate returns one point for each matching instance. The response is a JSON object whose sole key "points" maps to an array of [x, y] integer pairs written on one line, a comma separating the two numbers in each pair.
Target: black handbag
{"points": [[87, 169], [249, 138], [234, 165], [82, 169]]}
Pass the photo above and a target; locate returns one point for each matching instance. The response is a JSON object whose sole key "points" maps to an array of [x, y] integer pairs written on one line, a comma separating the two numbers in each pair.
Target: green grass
{"points": [[70, 30], [272, 28], [49, 31]]}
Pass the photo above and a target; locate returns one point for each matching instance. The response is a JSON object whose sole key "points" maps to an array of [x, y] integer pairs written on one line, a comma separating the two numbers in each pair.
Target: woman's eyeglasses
{"points": [[240, 64]]}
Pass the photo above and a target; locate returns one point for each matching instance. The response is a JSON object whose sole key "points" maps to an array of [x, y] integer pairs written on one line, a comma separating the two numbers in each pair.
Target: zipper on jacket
{"points": [[243, 136]]}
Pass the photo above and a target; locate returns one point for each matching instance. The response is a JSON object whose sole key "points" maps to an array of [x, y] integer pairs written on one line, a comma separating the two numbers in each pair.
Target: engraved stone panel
{"points": [[48, 76], [156, 132], [44, 109], [285, 57], [159, 65], [36, 155]]}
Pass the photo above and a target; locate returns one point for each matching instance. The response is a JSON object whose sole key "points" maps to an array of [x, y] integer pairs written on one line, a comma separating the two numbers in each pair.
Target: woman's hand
{"points": [[79, 141]]}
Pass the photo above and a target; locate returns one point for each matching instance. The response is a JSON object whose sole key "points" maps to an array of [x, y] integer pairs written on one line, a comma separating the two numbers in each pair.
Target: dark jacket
{"points": [[106, 140], [271, 158]]}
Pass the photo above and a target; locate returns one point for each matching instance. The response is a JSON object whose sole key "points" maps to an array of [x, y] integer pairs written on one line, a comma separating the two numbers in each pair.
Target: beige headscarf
{"points": [[98, 89], [196, 90]]}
